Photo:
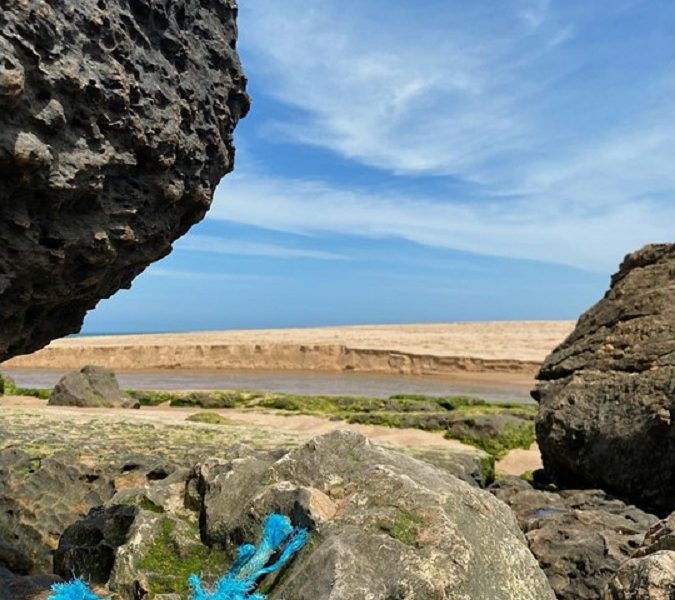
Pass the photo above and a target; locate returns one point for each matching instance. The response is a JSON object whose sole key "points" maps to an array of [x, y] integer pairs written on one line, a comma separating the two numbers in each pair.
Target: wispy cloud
{"points": [[218, 245], [557, 165], [165, 273]]}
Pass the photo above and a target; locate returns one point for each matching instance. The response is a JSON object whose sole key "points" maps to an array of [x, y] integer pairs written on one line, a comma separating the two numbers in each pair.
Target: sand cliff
{"points": [[486, 347]]}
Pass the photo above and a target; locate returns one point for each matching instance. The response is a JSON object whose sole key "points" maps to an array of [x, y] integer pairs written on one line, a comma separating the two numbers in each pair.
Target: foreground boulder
{"points": [[607, 393], [580, 537], [382, 525], [93, 387], [650, 574], [116, 123]]}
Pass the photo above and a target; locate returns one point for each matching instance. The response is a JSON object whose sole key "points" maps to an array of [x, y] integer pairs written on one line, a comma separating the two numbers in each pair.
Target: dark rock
{"points": [[87, 548], [579, 537], [39, 498], [607, 393], [91, 386], [25, 587], [116, 125], [650, 573]]}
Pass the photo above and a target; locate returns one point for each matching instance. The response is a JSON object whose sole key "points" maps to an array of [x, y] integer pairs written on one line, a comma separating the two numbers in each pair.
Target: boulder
{"points": [[650, 573], [383, 525], [607, 393], [579, 537], [93, 387], [87, 547], [116, 123]]}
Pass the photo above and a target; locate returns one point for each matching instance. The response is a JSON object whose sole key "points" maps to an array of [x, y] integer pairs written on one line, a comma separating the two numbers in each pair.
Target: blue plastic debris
{"points": [[239, 583]]}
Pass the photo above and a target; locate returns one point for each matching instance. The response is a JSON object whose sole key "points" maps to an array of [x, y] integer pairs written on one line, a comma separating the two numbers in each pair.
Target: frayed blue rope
{"points": [[240, 581], [75, 590], [250, 566]]}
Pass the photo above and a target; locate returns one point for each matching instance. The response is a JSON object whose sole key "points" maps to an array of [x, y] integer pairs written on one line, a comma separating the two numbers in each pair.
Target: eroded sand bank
{"points": [[516, 347]]}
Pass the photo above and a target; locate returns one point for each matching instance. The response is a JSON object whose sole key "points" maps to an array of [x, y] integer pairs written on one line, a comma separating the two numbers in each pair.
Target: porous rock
{"points": [[116, 121], [650, 573], [91, 386], [579, 537], [382, 525], [607, 393]]}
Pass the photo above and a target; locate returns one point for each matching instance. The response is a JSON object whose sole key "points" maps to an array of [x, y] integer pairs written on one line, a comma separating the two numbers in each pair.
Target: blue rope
{"points": [[240, 581]]}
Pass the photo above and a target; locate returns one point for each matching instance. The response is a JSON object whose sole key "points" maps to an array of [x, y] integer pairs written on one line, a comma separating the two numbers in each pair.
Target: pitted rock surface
{"points": [[650, 573], [579, 537], [607, 393], [116, 121]]}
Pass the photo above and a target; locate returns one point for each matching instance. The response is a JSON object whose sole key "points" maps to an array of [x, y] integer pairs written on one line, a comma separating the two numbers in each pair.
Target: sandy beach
{"points": [[500, 348]]}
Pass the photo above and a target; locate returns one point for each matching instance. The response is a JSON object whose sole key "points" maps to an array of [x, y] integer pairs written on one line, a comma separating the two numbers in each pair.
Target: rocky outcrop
{"points": [[116, 122], [579, 537], [607, 393], [650, 573], [93, 387], [382, 525]]}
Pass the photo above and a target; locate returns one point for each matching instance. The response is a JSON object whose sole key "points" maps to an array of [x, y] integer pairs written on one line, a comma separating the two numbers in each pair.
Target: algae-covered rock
{"points": [[383, 525], [93, 387]]}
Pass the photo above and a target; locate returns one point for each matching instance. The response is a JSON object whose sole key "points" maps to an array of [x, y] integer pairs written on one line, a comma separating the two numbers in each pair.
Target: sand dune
{"points": [[486, 347]]}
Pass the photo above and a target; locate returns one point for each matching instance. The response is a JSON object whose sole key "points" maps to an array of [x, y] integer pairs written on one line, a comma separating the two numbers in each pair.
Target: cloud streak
{"points": [[211, 244]]}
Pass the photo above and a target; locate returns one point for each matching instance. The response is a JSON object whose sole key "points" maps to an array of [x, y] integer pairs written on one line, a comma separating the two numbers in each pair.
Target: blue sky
{"points": [[427, 162]]}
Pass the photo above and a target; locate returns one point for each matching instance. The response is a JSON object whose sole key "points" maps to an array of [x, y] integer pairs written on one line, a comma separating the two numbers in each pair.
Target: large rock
{"points": [[607, 393], [91, 386], [579, 537], [650, 573], [116, 121], [382, 525]]}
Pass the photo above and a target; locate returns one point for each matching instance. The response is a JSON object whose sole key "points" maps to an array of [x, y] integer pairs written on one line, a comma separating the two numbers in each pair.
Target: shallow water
{"points": [[296, 382]]}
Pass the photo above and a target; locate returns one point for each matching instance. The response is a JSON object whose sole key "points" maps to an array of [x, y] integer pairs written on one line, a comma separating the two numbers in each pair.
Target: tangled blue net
{"points": [[239, 583]]}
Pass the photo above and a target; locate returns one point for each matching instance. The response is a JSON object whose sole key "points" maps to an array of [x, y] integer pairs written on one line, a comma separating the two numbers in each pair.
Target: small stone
{"points": [[52, 115], [29, 150], [11, 81]]}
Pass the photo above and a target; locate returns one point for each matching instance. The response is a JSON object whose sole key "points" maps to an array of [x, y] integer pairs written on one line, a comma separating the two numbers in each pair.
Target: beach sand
{"points": [[501, 347]]}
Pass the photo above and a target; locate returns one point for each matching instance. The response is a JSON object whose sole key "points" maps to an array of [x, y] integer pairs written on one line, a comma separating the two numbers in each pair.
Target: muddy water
{"points": [[300, 382]]}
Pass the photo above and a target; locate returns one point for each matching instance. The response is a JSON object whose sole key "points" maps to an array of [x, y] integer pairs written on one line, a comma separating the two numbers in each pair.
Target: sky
{"points": [[436, 161]]}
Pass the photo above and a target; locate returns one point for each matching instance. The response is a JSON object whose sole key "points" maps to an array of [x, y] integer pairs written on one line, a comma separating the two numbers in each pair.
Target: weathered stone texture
{"points": [[607, 393], [116, 121]]}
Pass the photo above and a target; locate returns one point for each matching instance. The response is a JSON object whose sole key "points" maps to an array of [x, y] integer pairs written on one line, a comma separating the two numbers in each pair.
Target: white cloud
{"points": [[217, 245], [167, 273], [500, 101]]}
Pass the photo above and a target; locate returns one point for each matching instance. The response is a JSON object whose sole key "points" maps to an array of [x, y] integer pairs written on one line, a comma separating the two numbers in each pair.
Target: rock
{"points": [[579, 537], [383, 525], [469, 464], [91, 386], [607, 393], [116, 125], [497, 433], [650, 573], [25, 587], [87, 548], [39, 498]]}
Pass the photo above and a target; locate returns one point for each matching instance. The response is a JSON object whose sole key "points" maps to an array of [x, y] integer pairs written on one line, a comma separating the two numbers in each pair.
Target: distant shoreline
{"points": [[499, 347]]}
